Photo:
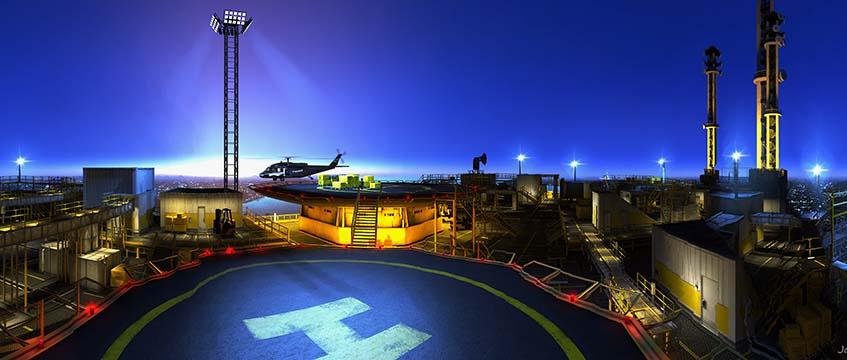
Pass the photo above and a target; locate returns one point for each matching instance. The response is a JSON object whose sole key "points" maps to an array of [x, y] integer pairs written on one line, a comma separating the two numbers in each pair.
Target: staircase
{"points": [[365, 221]]}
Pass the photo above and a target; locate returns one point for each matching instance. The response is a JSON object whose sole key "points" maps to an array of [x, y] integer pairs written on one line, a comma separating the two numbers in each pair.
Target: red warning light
{"points": [[41, 343], [90, 309], [208, 252], [230, 250], [408, 197], [572, 298]]}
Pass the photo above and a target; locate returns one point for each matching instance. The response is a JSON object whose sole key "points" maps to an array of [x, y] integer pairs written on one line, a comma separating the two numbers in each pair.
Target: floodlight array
{"points": [[232, 17]]}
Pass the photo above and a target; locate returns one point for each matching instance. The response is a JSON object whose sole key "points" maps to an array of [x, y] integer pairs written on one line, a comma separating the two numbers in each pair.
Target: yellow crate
{"points": [[324, 180], [375, 185], [336, 184]]}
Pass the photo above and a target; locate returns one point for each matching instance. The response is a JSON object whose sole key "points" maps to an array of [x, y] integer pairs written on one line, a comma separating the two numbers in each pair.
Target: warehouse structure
{"points": [[199, 207]]}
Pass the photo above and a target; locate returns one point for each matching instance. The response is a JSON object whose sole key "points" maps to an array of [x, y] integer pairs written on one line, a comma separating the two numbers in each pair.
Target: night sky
{"points": [[411, 87]]}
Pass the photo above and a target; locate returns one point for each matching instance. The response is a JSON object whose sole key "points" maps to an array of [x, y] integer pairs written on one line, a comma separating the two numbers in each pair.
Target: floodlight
{"points": [[20, 161], [575, 163], [736, 156], [521, 157], [247, 25], [662, 161], [817, 170], [233, 17], [215, 23]]}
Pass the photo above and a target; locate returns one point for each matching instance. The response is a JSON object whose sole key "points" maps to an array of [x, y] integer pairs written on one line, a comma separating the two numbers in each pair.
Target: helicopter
{"points": [[292, 170]]}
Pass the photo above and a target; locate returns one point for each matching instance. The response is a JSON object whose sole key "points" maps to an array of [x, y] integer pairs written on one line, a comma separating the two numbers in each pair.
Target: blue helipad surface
{"points": [[310, 303]]}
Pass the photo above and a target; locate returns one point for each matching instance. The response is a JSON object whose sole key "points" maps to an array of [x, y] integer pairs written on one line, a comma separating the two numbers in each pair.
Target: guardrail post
{"points": [[41, 317]]}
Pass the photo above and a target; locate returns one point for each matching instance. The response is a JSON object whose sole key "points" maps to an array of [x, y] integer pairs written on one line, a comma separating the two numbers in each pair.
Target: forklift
{"points": [[224, 224]]}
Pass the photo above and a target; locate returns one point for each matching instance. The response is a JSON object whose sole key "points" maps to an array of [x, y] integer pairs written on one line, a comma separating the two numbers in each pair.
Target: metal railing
{"points": [[666, 303], [268, 223]]}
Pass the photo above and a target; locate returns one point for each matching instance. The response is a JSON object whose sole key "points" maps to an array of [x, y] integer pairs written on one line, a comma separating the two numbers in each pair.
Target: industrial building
{"points": [[199, 207], [136, 183]]}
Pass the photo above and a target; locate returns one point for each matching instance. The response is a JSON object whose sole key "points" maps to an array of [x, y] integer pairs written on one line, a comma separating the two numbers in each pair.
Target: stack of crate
{"points": [[812, 329], [810, 325], [353, 181], [791, 342], [367, 180], [825, 314], [324, 180]]}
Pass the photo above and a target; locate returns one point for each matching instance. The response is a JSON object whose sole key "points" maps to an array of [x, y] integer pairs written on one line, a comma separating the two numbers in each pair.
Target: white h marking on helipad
{"points": [[322, 324]]}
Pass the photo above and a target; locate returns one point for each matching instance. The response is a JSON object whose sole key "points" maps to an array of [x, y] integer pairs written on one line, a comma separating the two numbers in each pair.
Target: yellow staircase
{"points": [[365, 221]]}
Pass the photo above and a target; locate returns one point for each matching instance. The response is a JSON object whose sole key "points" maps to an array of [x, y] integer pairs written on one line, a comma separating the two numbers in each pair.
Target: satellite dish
{"points": [[483, 159]]}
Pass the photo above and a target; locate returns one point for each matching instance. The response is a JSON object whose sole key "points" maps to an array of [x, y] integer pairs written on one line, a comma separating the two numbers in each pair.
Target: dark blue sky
{"points": [[413, 86]]}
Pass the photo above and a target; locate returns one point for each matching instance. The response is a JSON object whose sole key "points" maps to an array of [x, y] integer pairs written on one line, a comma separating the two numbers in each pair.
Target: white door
{"points": [[201, 217], [709, 301]]}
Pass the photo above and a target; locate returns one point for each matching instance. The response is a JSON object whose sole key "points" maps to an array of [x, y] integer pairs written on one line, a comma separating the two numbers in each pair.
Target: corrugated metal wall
{"points": [[692, 263], [188, 203], [131, 181]]}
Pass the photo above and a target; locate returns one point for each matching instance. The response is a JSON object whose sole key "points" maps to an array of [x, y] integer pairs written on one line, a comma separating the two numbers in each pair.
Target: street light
{"points": [[20, 161], [521, 158], [573, 165], [662, 163], [736, 157], [816, 171]]}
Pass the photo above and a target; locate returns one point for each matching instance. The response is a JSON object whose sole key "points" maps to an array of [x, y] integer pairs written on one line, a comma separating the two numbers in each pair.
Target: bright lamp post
{"points": [[573, 165], [736, 157], [521, 158], [20, 161], [662, 163], [816, 171]]}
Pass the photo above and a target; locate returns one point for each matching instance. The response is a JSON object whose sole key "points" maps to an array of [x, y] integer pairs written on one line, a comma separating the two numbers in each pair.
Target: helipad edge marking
{"points": [[568, 347]]}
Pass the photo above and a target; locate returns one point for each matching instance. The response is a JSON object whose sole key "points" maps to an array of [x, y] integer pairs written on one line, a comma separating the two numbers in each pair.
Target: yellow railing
{"points": [[667, 304]]}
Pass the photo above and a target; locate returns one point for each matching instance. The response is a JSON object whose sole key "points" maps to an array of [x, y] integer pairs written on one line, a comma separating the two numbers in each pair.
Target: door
{"points": [[201, 218], [709, 301]]}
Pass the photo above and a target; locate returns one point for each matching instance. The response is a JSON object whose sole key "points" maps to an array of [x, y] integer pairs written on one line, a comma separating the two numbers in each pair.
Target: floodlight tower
{"points": [[574, 165], [816, 171], [736, 157], [20, 161], [710, 175], [521, 158], [662, 163], [231, 27]]}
